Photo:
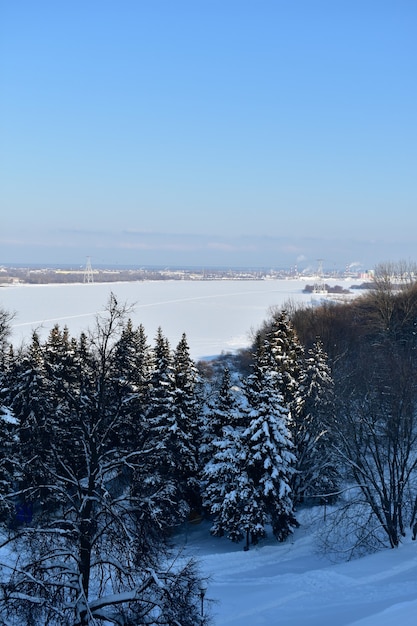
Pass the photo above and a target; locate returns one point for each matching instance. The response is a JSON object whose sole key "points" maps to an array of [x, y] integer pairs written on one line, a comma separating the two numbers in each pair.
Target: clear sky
{"points": [[208, 132]]}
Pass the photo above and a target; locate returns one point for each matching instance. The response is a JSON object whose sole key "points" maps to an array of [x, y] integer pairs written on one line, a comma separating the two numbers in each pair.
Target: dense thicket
{"points": [[89, 488], [372, 348], [267, 433], [351, 390]]}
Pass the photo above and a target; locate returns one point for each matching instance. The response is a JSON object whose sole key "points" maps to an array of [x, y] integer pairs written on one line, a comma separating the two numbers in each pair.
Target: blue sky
{"points": [[208, 132]]}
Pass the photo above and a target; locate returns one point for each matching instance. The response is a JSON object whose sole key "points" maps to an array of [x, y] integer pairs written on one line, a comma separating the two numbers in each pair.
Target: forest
{"points": [[110, 441]]}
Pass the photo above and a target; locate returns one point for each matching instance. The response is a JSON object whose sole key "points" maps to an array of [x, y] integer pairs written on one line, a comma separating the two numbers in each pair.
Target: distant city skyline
{"points": [[235, 133]]}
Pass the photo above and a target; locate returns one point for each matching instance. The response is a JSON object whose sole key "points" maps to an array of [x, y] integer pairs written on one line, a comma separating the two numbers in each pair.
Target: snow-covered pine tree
{"points": [[58, 351], [131, 371], [223, 463], [268, 447], [161, 382], [229, 494], [225, 408], [133, 359], [163, 473], [285, 355], [226, 486], [317, 473], [221, 410], [247, 480], [142, 362], [7, 470], [63, 364], [8, 434], [185, 424], [306, 387], [32, 403]]}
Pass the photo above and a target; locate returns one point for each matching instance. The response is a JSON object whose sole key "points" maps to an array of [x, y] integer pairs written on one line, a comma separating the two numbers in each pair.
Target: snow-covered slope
{"points": [[292, 584]]}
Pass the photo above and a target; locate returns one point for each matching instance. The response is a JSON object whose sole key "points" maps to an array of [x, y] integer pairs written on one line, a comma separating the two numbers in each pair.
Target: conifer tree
{"points": [[285, 355], [316, 465], [57, 353], [221, 410], [247, 481], [230, 495], [184, 424], [225, 410], [8, 435], [223, 459], [131, 370], [133, 362], [269, 450], [162, 462], [161, 382], [32, 403], [306, 387]]}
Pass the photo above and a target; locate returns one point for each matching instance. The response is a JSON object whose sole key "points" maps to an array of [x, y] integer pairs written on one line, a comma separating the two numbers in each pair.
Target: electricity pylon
{"points": [[88, 272]]}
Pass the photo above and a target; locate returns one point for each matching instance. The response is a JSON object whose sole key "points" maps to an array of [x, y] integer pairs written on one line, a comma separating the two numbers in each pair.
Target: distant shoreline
{"points": [[57, 275]]}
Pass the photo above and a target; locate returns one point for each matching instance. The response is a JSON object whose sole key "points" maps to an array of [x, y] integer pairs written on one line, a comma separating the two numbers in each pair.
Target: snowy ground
{"points": [[292, 584]]}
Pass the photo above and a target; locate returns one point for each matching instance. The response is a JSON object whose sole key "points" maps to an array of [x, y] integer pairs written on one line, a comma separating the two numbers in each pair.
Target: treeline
{"points": [[46, 276], [371, 345], [70, 276]]}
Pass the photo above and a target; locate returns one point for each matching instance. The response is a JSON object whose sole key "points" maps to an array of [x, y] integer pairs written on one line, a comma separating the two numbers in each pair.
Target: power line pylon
{"points": [[88, 272], [320, 286]]}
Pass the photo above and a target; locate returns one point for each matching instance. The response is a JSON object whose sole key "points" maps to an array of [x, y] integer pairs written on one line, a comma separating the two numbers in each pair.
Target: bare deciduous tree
{"points": [[377, 437], [5, 328]]}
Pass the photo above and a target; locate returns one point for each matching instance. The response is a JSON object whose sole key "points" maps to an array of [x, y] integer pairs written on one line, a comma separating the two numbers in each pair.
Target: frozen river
{"points": [[215, 315]]}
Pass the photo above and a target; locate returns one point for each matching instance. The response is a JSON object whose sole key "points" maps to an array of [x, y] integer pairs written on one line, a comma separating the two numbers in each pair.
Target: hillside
{"points": [[292, 584]]}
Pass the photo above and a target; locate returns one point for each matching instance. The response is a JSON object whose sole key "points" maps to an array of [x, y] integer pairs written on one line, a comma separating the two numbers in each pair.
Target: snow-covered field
{"points": [[292, 584], [216, 315]]}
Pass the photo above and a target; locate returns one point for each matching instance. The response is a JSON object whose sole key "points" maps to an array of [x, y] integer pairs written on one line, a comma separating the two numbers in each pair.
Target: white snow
{"points": [[216, 315], [292, 584]]}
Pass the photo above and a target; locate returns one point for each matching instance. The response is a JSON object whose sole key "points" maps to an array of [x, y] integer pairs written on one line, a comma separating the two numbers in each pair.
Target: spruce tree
{"points": [[317, 474], [8, 435], [247, 480], [132, 363], [60, 372], [184, 424], [163, 472], [269, 449], [33, 404], [221, 410], [225, 487], [130, 372], [229, 495], [285, 355], [307, 389]]}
